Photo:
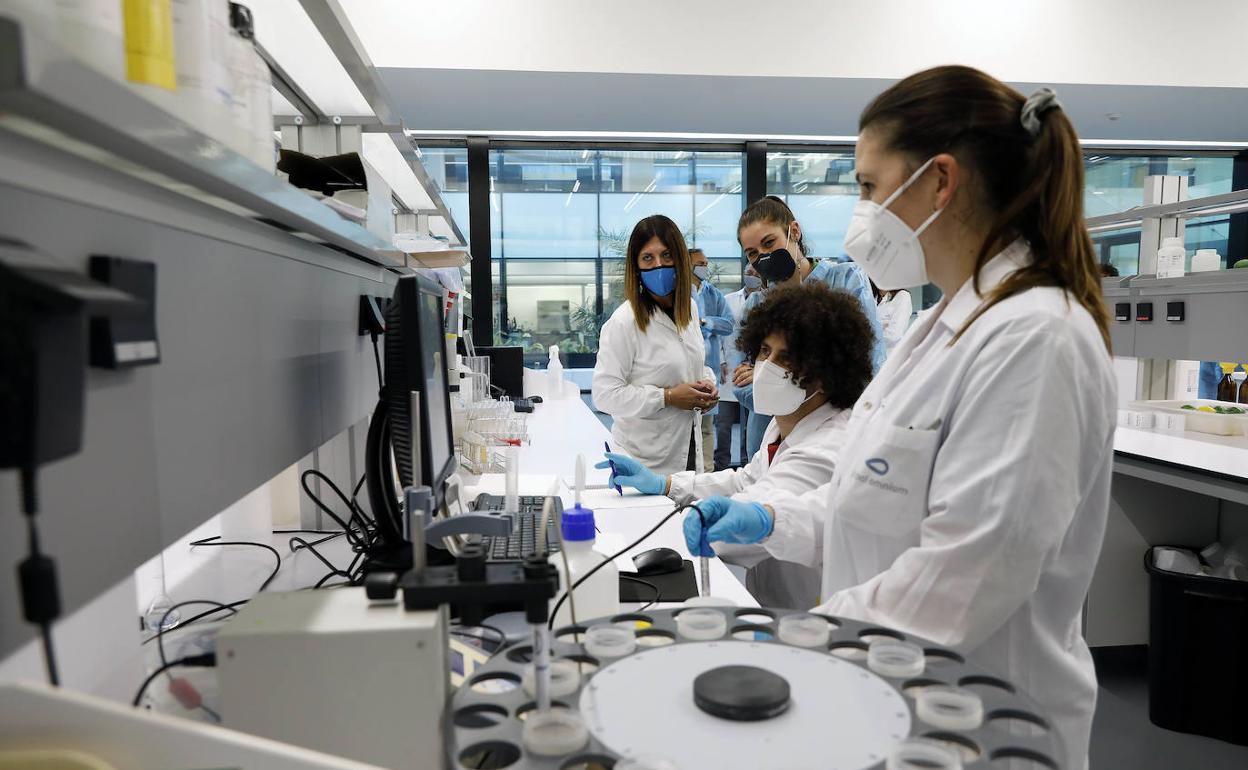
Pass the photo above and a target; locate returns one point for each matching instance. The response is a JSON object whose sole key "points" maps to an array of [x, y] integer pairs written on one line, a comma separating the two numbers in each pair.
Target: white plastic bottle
{"points": [[554, 372], [92, 31], [201, 98], [250, 92], [597, 597], [1171, 258], [1206, 260]]}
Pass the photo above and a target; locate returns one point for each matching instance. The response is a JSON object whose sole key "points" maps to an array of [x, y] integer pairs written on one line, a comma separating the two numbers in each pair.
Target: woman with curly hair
{"points": [[812, 351]]}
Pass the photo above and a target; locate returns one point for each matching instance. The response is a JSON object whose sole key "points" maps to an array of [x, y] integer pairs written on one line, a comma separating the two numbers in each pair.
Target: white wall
{"points": [[1125, 42]]}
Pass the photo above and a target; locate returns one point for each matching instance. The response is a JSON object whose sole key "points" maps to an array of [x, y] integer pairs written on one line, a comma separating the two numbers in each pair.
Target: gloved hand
{"points": [[631, 473], [727, 521]]}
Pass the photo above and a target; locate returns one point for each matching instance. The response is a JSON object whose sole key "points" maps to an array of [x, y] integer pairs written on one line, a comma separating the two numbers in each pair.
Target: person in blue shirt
{"points": [[717, 322], [771, 238]]}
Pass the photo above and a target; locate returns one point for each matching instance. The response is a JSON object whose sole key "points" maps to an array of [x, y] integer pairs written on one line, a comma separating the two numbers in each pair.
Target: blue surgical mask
{"points": [[660, 281]]}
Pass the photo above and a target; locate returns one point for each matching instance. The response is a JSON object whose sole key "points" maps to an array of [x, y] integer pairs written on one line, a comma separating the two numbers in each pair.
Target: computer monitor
{"points": [[415, 445]]}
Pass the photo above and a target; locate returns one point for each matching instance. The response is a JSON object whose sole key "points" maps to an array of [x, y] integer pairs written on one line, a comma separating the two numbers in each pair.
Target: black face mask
{"points": [[775, 266]]}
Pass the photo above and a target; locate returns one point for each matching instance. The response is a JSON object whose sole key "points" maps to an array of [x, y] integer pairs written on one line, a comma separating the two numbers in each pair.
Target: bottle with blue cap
{"points": [[599, 596]]}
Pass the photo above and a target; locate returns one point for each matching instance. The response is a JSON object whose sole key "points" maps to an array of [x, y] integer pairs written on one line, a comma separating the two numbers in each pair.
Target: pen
{"points": [[618, 488]]}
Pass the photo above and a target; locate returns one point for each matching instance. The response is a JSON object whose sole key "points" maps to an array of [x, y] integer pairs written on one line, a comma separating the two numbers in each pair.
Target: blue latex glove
{"points": [[727, 521], [633, 474]]}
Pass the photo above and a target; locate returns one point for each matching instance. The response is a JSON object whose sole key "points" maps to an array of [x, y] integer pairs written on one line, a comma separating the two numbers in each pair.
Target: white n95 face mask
{"points": [[775, 393], [886, 248]]}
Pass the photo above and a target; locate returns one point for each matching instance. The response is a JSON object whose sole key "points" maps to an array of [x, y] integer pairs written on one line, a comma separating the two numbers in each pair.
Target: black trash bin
{"points": [[1197, 653]]}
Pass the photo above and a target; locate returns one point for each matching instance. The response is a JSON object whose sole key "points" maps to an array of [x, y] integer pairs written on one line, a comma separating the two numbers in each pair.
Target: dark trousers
{"points": [[730, 414]]}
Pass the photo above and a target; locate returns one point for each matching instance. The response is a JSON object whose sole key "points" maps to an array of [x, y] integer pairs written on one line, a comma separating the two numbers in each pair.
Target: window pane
{"points": [[560, 221], [1116, 182], [448, 167], [820, 189]]}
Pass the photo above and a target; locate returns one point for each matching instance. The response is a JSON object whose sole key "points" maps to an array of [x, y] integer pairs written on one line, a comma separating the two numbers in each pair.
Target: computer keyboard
{"points": [[523, 540]]}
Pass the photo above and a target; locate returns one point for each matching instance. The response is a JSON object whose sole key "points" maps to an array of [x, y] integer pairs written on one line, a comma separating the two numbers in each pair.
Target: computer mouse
{"points": [[536, 399], [658, 561]]}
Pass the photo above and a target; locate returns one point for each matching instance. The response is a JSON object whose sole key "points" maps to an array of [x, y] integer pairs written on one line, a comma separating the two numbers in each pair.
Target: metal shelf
{"points": [[49, 95], [1225, 203]]}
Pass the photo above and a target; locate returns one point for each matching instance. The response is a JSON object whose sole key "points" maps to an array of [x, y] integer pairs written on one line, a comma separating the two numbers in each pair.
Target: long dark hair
{"points": [[644, 306], [773, 211], [1034, 184]]}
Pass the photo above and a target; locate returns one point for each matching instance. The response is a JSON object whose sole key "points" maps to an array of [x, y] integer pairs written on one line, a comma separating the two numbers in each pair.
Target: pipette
{"points": [[541, 634], [618, 488], [580, 479], [705, 567]]}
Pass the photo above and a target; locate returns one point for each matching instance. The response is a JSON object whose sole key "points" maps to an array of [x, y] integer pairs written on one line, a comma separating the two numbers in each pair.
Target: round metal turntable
{"points": [[640, 709]]}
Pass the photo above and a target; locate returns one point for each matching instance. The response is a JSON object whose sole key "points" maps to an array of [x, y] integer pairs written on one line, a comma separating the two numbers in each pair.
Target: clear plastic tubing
{"points": [[702, 624], [950, 708], [922, 754], [541, 666], [896, 659], [511, 496], [805, 630], [608, 641]]}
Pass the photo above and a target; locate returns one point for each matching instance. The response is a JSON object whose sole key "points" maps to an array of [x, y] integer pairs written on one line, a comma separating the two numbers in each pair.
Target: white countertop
{"points": [[1227, 455], [562, 429]]}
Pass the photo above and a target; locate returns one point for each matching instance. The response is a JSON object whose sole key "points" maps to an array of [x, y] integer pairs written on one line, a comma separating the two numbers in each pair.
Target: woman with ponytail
{"points": [[970, 499]]}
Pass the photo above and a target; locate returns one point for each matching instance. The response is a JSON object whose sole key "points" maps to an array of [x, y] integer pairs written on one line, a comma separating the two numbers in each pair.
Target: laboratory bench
{"points": [[1187, 489]]}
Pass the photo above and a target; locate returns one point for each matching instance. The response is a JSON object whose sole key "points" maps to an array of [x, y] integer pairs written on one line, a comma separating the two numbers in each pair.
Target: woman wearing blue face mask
{"points": [[651, 375]]}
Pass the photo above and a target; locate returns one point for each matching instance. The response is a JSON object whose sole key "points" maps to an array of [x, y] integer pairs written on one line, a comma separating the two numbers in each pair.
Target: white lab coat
{"points": [[894, 314], [633, 369], [728, 345], [805, 460], [971, 497]]}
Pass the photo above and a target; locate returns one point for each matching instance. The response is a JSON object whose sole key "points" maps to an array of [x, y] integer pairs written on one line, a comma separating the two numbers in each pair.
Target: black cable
{"points": [[551, 622], [347, 526], [161, 630], [658, 592], [502, 637], [377, 357], [216, 540], [207, 659], [231, 606], [210, 713], [304, 545], [41, 601]]}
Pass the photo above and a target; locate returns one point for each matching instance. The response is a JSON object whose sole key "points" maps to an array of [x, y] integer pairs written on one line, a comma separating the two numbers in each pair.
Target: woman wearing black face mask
{"points": [[771, 238]]}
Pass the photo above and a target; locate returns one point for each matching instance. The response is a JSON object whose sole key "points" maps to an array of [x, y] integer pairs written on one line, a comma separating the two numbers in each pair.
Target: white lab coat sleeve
{"points": [[1019, 448], [797, 533], [612, 388], [897, 318], [688, 486]]}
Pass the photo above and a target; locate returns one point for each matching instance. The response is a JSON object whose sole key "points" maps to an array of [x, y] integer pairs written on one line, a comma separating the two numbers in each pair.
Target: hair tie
{"points": [[1036, 105]]}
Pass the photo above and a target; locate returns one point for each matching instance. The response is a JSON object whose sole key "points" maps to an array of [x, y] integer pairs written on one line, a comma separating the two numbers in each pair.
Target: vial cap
{"points": [[578, 524]]}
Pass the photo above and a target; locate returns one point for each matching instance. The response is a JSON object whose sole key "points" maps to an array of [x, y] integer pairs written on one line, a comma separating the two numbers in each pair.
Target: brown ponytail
{"points": [[1034, 184], [773, 211]]}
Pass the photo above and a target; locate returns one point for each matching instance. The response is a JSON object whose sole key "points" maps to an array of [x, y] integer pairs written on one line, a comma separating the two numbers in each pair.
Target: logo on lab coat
{"points": [[878, 465]]}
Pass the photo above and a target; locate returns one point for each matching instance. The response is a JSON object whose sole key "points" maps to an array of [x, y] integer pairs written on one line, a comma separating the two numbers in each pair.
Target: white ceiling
{"points": [[1121, 42]]}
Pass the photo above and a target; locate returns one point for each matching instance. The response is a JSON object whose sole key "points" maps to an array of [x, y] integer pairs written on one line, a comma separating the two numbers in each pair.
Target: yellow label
{"points": [[149, 43]]}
